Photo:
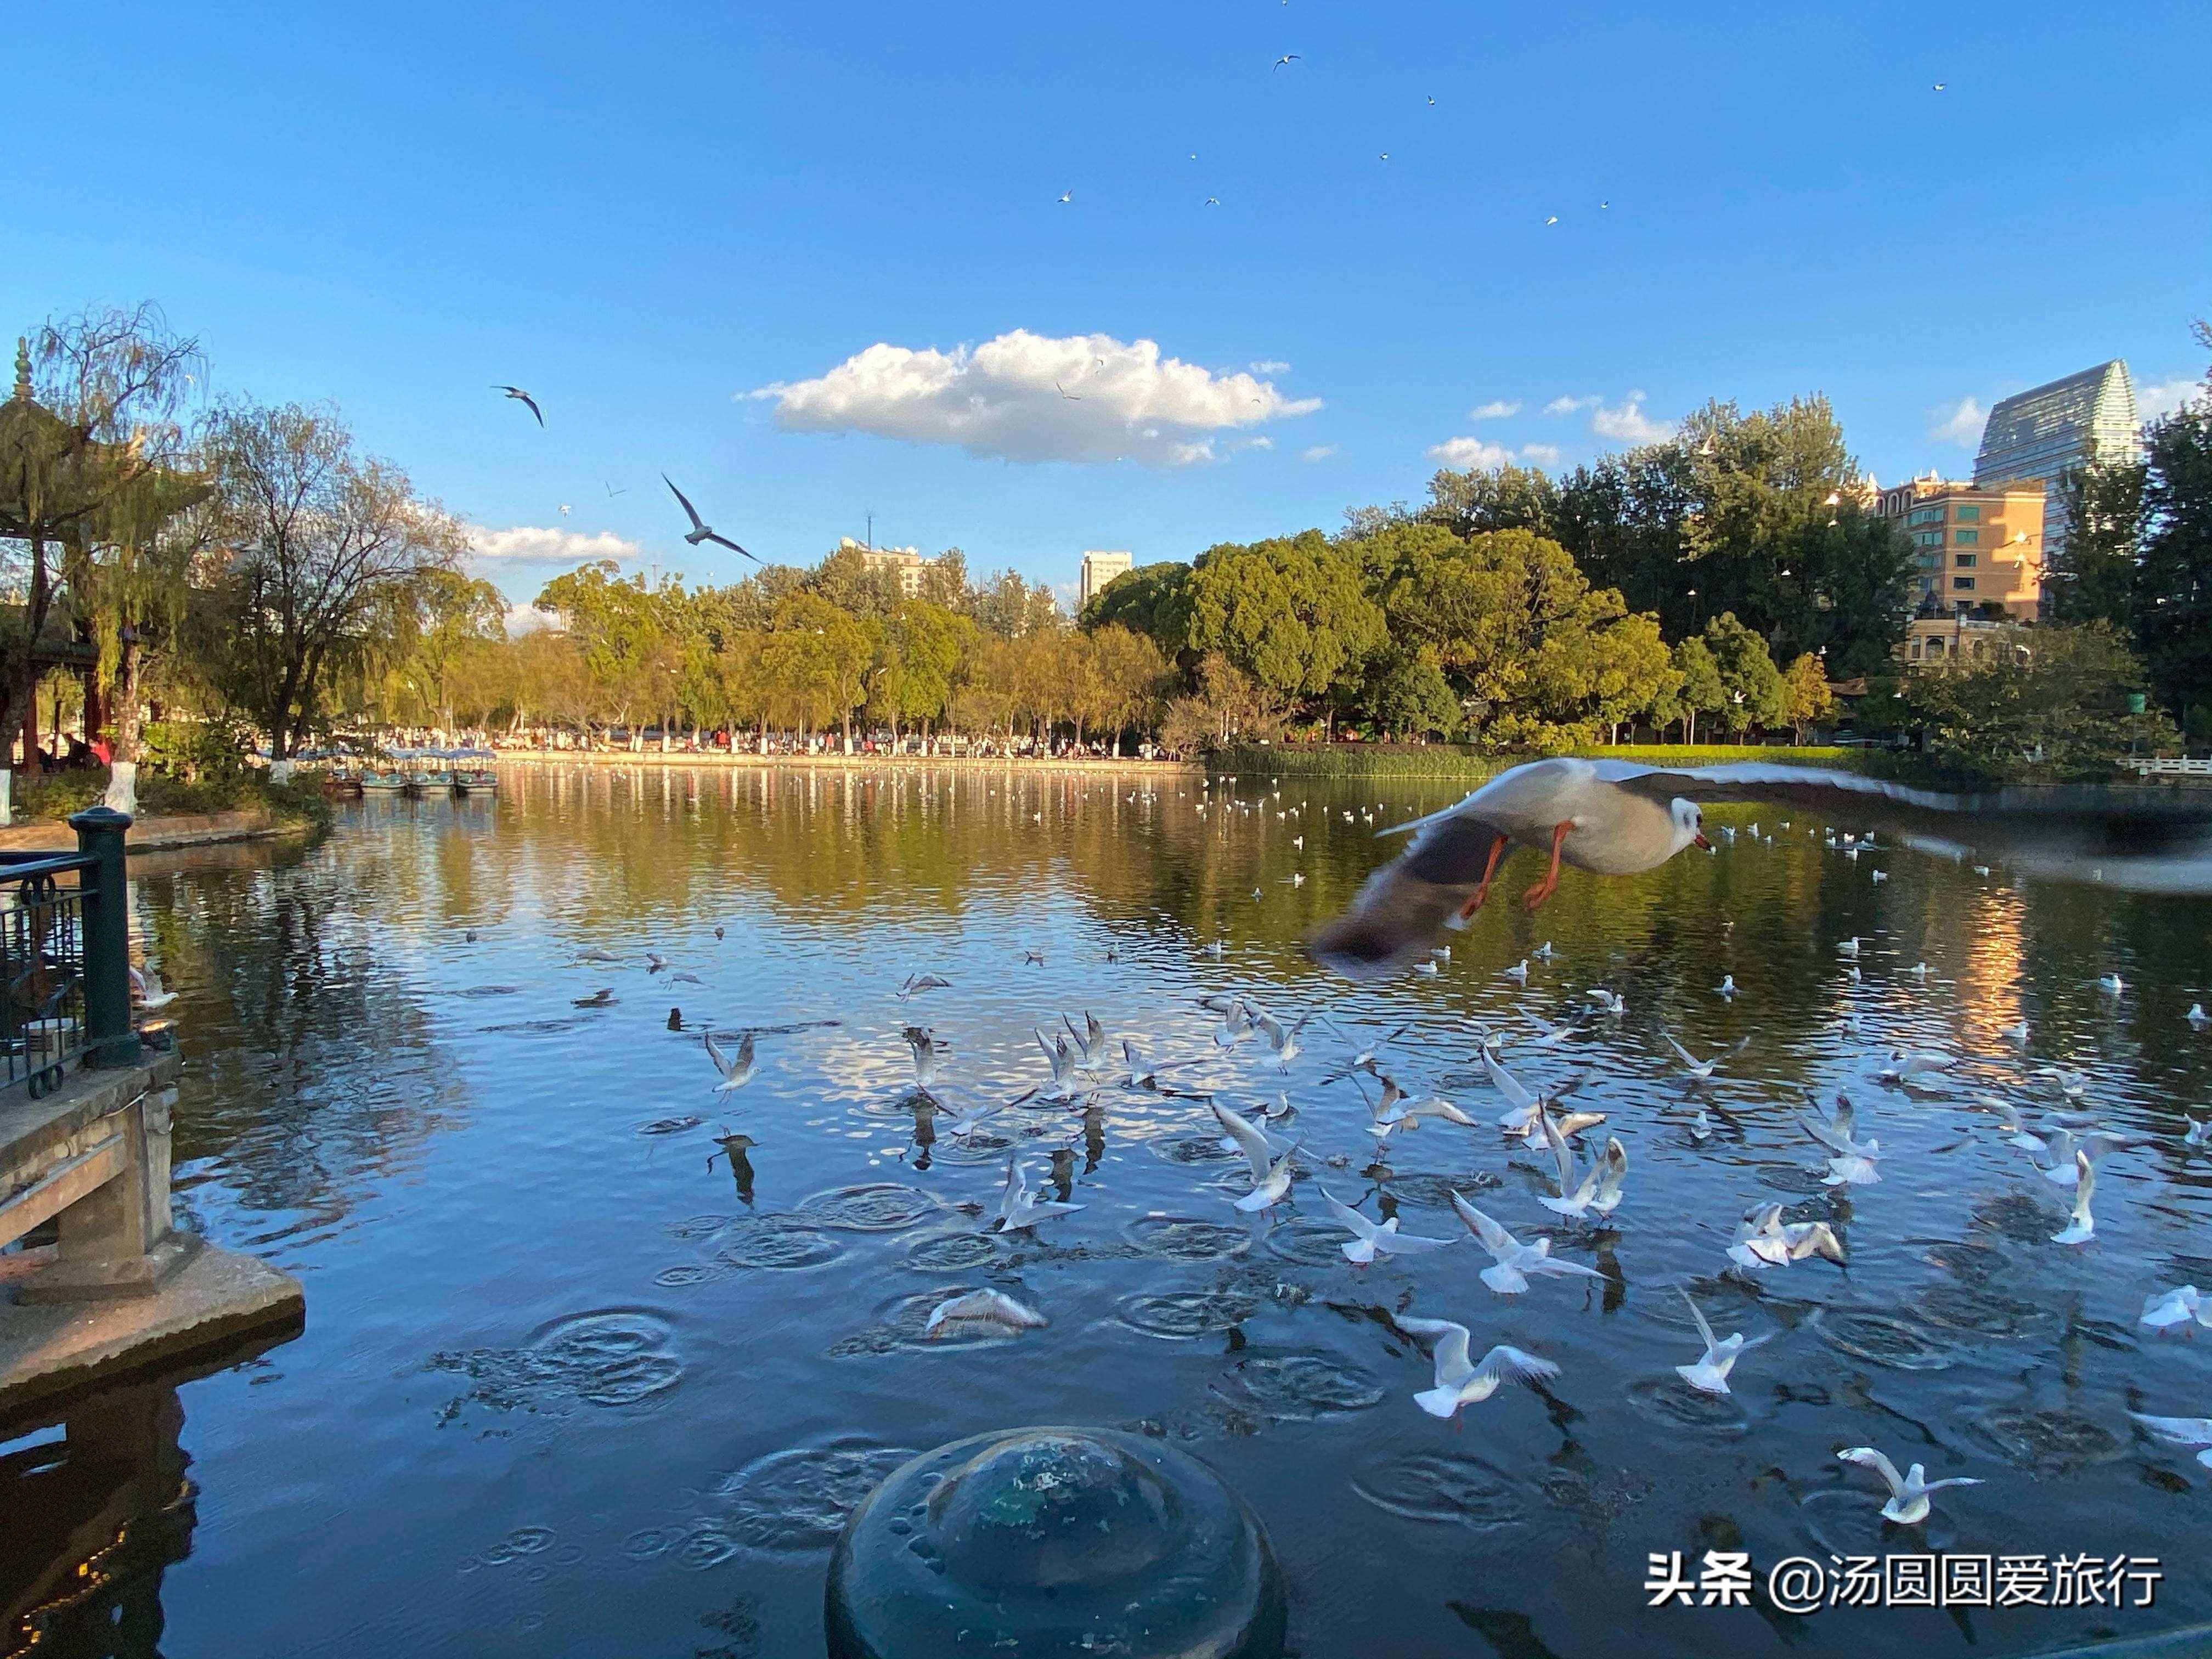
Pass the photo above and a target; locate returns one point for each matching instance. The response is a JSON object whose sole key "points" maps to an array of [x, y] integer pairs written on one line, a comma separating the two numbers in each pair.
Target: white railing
{"points": [[2165, 767]]}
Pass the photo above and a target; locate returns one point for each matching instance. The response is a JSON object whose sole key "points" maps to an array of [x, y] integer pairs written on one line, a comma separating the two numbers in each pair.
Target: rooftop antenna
{"points": [[872, 530]]}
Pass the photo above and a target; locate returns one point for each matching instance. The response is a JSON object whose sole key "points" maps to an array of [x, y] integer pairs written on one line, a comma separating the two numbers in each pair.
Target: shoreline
{"points": [[163, 833], [844, 762]]}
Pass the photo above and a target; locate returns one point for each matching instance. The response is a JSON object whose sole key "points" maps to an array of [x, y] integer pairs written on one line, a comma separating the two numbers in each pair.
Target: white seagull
{"points": [[1908, 1493], [1512, 1261], [1710, 1372], [983, 1308], [1460, 1384], [924, 1047], [2193, 1431], [2083, 1226], [736, 1069], [1369, 1238], [2164, 1309], [146, 989], [1271, 1175]]}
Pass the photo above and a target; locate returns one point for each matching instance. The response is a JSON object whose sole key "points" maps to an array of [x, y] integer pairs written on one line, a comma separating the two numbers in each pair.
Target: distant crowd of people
{"points": [[725, 741]]}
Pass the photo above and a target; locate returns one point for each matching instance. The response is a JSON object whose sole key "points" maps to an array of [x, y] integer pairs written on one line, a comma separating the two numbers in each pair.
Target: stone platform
{"points": [[119, 1290], [216, 1298]]}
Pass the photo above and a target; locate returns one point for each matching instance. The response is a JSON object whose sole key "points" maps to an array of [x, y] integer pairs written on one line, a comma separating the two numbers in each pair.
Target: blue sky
{"points": [[643, 214]]}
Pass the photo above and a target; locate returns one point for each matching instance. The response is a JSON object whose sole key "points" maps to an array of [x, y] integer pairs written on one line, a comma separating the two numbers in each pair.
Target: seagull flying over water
{"points": [[1512, 1261], [1710, 1372], [146, 989], [924, 1047], [1461, 1383], [1616, 818], [1369, 1238], [525, 398], [2082, 1226], [701, 531], [736, 1069], [1908, 1493], [1271, 1175]]}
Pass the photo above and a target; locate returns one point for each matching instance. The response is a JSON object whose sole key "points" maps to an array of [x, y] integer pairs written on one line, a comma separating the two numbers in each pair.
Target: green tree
{"points": [[1753, 684], [1152, 599], [931, 643], [330, 546], [619, 626], [1288, 614], [90, 454], [1407, 697], [2173, 583], [2094, 578], [1130, 675], [1806, 699], [2049, 703], [1701, 691]]}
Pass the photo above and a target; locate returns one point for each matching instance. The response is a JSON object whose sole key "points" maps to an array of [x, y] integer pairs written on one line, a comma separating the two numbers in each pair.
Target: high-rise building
{"points": [[1972, 546], [2042, 433], [1098, 569]]}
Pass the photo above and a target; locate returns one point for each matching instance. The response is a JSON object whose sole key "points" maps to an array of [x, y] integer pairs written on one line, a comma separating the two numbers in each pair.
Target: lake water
{"points": [[569, 1385]]}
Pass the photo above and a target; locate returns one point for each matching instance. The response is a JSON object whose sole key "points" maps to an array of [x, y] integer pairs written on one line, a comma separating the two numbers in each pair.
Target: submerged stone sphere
{"points": [[1035, 1543]]}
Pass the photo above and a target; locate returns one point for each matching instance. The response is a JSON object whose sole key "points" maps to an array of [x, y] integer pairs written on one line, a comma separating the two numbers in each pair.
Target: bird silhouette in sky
{"points": [[701, 531], [1287, 57], [525, 398]]}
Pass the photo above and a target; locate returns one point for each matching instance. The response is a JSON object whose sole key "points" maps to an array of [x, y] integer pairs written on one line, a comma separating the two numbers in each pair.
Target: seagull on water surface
{"points": [[2192, 1431], [1458, 1382], [2184, 1304], [983, 1308]]}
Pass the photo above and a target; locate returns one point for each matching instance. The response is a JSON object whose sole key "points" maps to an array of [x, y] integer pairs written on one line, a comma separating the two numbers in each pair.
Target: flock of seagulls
{"points": [[1606, 819]]}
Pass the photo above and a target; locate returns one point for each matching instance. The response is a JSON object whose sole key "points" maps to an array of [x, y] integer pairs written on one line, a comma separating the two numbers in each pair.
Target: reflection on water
{"points": [[597, 1357]]}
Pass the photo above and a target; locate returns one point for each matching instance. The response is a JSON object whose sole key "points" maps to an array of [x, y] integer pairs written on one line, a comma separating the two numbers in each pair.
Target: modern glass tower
{"points": [[2040, 434]]}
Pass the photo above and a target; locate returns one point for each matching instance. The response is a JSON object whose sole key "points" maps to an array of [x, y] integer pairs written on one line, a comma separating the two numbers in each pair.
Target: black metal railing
{"points": [[64, 957]]}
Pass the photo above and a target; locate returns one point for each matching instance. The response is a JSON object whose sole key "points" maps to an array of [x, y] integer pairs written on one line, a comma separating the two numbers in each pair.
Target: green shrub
{"points": [[52, 798]]}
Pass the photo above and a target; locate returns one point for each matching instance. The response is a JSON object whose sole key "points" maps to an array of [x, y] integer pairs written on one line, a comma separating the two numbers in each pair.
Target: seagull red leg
{"points": [[1534, 897], [1482, 893]]}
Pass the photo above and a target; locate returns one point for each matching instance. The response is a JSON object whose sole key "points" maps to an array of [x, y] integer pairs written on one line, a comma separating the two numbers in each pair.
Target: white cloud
{"points": [[1495, 409], [1269, 366], [1318, 452], [1959, 423], [1025, 397], [548, 544], [1569, 405], [1543, 454], [1469, 453], [522, 618], [2153, 402], [1627, 423]]}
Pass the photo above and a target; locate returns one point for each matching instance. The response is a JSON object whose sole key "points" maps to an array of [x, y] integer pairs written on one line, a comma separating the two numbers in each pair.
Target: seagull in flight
{"points": [[525, 398], [1287, 57], [736, 1069], [612, 491], [1908, 1493], [1461, 1383], [1271, 1175], [1711, 1373], [1065, 392], [701, 531], [1512, 1261], [1618, 818], [1368, 1237], [1066, 196]]}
